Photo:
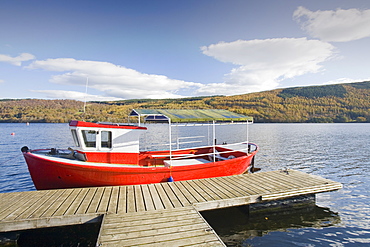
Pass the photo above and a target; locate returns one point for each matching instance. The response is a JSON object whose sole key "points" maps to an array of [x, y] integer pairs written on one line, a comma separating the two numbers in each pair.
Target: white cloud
{"points": [[336, 26], [345, 80], [264, 63], [61, 94], [17, 61], [113, 80]]}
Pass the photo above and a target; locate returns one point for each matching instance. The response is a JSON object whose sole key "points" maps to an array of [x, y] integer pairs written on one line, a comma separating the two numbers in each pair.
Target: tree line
{"points": [[315, 104]]}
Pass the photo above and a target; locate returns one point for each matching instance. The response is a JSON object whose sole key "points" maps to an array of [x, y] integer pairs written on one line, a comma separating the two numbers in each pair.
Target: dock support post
{"points": [[283, 204]]}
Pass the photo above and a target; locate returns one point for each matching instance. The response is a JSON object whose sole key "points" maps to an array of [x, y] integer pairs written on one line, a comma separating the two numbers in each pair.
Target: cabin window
{"points": [[75, 138], [106, 139], [89, 138]]}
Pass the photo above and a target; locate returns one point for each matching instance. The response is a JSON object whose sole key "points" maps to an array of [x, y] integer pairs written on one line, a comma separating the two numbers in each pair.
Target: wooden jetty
{"points": [[154, 214]]}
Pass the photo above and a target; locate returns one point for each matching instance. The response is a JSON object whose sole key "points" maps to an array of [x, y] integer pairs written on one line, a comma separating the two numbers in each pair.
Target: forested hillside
{"points": [[329, 103]]}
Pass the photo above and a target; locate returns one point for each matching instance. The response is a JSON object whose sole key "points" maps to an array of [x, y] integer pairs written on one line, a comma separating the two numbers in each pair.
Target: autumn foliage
{"points": [[329, 103]]}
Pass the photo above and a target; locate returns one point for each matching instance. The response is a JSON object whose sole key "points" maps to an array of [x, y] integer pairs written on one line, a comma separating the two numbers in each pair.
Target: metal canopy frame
{"points": [[192, 117]]}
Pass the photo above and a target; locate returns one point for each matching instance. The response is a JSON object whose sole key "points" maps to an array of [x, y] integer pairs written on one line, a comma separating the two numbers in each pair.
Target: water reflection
{"points": [[237, 226]]}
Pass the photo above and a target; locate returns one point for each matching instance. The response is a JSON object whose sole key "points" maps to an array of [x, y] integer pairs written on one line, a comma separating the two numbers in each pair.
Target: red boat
{"points": [[108, 154]]}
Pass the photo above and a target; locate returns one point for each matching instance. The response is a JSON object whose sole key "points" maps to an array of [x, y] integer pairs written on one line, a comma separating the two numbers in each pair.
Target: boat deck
{"points": [[152, 214]]}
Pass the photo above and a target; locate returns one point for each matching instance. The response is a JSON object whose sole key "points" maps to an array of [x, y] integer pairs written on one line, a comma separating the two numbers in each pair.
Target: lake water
{"points": [[339, 152]]}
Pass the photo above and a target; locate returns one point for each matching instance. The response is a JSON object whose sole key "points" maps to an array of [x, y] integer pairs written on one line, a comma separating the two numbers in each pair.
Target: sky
{"points": [[135, 49]]}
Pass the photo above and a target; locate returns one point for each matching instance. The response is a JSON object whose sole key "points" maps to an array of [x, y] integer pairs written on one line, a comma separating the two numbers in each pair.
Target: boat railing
{"points": [[240, 146], [217, 154], [179, 143]]}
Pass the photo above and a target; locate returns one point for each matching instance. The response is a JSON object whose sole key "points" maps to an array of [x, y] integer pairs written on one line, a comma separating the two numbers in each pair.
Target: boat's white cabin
{"points": [[105, 137]]}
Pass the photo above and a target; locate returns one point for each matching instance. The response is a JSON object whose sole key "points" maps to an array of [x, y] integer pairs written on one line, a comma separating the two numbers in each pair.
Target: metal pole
{"points": [[214, 141], [177, 136], [87, 83], [170, 138], [209, 135], [247, 136]]}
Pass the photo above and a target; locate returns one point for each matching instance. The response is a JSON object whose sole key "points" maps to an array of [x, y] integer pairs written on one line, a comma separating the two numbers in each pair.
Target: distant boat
{"points": [[107, 154], [27, 123]]}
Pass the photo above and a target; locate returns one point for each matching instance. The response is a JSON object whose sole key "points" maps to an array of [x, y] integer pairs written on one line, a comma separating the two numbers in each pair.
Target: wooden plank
{"points": [[139, 198], [302, 191], [149, 204], [241, 186], [204, 238], [122, 200], [192, 187], [104, 202], [45, 205], [95, 200], [226, 191], [13, 210], [159, 229], [205, 244], [84, 206], [270, 185], [211, 190], [149, 222], [171, 195], [257, 183], [29, 207], [170, 227], [172, 237], [226, 182], [113, 202], [216, 191], [135, 227], [287, 194], [77, 201], [247, 182], [67, 203], [24, 224], [57, 203], [180, 187], [8, 199], [188, 190], [254, 184], [229, 202], [30, 203], [202, 190], [283, 180], [163, 196], [159, 215], [155, 196], [313, 178], [179, 194], [131, 203], [292, 179]]}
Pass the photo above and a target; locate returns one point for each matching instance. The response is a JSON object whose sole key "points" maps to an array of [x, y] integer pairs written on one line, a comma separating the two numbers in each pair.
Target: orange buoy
{"points": [[13, 134]]}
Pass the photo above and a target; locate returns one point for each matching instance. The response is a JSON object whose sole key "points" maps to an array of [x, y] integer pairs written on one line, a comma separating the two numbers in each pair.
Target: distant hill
{"points": [[314, 104], [329, 103]]}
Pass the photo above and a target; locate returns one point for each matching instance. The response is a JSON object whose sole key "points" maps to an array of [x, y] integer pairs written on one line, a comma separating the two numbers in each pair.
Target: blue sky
{"points": [[169, 48]]}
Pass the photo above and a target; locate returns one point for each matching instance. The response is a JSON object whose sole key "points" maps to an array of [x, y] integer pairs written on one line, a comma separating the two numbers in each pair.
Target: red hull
{"points": [[55, 173]]}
